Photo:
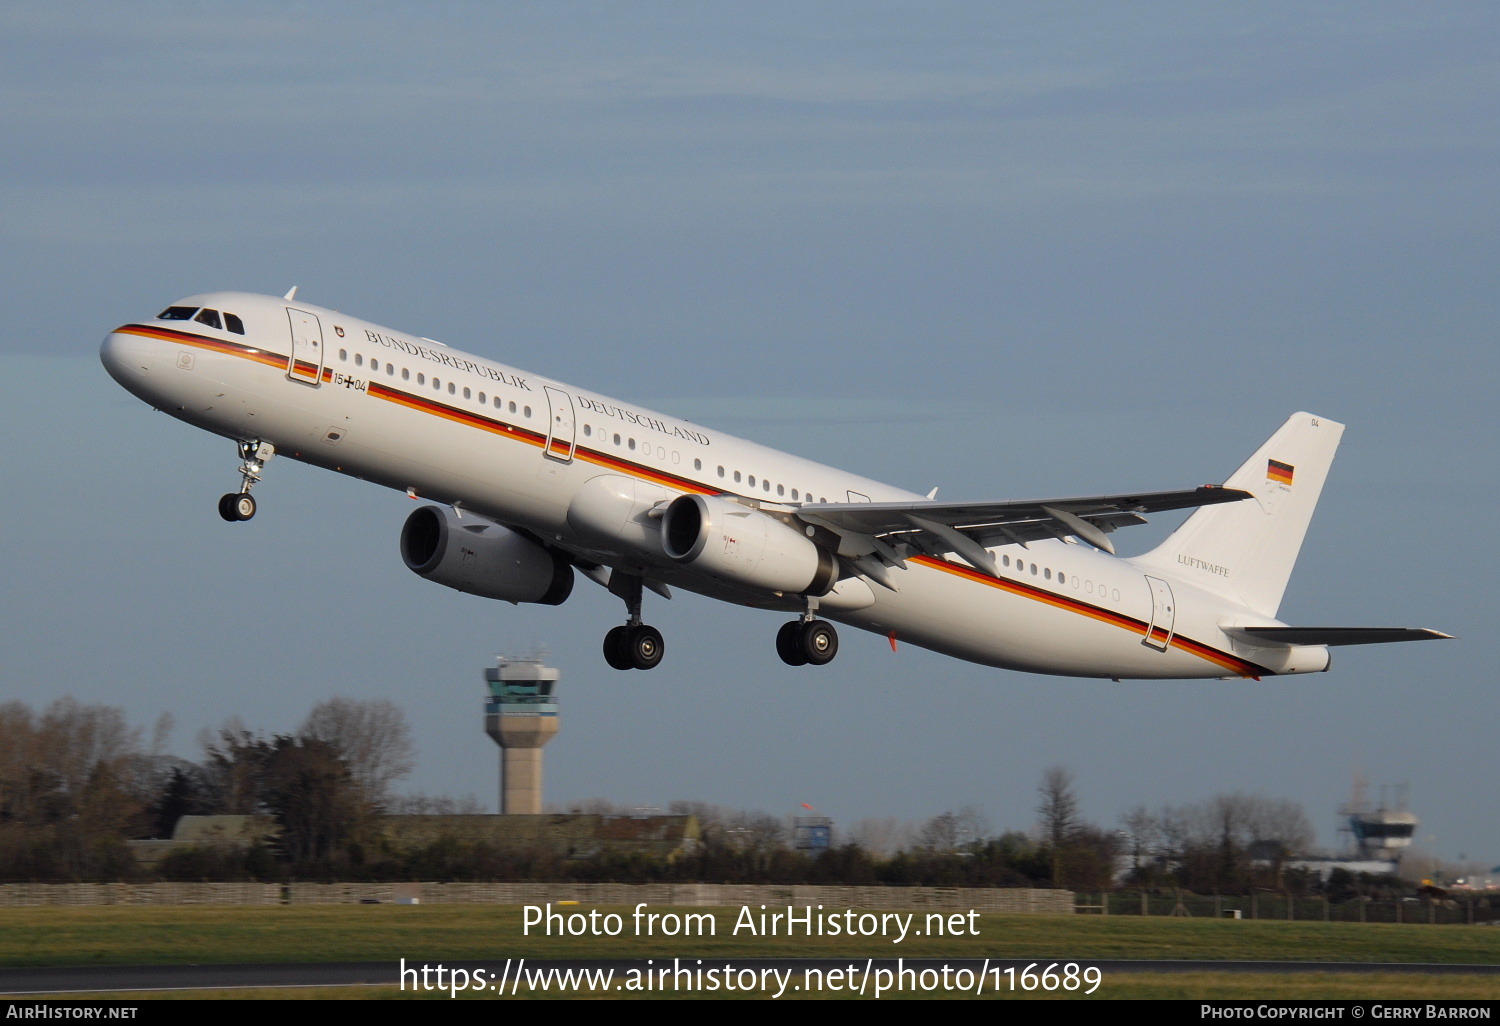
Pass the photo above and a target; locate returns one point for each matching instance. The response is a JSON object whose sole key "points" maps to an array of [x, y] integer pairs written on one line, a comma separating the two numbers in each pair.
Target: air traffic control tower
{"points": [[521, 715]]}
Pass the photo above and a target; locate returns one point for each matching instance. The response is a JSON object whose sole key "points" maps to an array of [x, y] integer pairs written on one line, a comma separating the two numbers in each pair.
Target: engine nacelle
{"points": [[745, 546], [481, 557]]}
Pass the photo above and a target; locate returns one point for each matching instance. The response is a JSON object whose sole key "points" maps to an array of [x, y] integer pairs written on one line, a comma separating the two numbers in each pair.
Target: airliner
{"points": [[531, 483]]}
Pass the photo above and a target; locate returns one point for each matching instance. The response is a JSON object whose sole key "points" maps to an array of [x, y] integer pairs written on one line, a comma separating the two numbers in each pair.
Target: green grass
{"points": [[432, 933]]}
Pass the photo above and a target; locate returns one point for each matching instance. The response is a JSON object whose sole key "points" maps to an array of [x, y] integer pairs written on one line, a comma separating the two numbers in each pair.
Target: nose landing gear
{"points": [[254, 455]]}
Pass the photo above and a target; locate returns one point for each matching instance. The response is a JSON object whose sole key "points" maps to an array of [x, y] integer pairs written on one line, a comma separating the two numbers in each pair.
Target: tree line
{"points": [[77, 782]]}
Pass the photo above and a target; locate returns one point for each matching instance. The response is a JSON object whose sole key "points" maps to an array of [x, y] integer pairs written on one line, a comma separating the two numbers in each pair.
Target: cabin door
{"points": [[560, 425], [306, 363], [1163, 615]]}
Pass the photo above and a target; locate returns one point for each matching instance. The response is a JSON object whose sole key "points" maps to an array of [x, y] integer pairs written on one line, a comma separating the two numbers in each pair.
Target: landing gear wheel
{"points": [[615, 652], [789, 644], [237, 506], [645, 647], [820, 642]]}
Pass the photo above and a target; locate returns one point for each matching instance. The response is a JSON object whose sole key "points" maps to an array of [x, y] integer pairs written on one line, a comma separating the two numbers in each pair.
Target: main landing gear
{"points": [[239, 505], [634, 645], [807, 640]]}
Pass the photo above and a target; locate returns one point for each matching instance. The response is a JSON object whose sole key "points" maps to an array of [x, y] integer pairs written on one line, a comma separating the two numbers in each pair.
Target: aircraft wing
{"points": [[1333, 635], [967, 528]]}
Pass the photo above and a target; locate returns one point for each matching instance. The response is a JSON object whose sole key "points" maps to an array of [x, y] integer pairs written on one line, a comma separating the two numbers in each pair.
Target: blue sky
{"points": [[1009, 250]]}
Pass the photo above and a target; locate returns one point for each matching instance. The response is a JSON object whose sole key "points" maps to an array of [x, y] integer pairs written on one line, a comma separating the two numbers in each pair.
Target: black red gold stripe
{"points": [[530, 437], [1279, 472], [240, 349], [1232, 663]]}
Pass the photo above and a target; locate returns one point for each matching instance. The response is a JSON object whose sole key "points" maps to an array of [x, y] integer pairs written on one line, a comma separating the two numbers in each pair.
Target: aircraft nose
{"points": [[130, 359]]}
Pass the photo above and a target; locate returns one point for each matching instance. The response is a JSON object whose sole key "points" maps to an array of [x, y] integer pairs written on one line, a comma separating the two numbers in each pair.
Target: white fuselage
{"points": [[533, 453]]}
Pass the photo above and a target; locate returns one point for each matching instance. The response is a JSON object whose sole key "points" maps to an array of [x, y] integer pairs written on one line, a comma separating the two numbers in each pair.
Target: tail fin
{"points": [[1246, 550]]}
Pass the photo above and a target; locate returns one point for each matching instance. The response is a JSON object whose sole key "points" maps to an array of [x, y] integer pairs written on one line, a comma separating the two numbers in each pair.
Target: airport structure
{"points": [[1380, 835], [521, 714]]}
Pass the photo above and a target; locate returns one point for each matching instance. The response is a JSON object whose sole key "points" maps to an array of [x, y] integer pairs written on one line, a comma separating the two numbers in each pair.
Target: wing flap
{"points": [[1002, 523]]}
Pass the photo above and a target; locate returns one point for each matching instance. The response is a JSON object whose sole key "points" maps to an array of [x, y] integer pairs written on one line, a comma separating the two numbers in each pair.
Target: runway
{"points": [[80, 980]]}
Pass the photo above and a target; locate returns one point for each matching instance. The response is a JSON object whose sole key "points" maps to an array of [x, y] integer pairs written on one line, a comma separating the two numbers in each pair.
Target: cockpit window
{"points": [[234, 324], [209, 317], [177, 313]]}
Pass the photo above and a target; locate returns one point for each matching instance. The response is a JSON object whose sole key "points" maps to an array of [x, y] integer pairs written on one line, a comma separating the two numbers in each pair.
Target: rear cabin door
{"points": [[306, 363], [1163, 615]]}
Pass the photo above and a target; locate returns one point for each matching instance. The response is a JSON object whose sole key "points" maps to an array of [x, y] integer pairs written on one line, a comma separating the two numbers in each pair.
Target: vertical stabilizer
{"points": [[1246, 550]]}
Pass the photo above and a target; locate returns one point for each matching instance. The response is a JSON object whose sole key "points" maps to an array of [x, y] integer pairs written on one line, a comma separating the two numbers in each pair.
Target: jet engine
{"points": [[744, 546], [481, 557]]}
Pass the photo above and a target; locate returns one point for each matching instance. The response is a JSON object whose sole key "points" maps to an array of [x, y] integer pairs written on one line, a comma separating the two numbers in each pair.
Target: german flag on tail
{"points": [[1279, 472]]}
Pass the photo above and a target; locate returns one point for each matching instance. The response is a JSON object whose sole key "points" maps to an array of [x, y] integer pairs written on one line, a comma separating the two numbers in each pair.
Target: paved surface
{"points": [[114, 979]]}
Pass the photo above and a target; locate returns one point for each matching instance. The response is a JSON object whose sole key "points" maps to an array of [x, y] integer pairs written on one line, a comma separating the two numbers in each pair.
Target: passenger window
{"points": [[482, 398], [512, 407], [405, 374], [1047, 573], [234, 324], [390, 368], [587, 431], [697, 464], [359, 359], [781, 489], [736, 477], [209, 317], [344, 355], [421, 378], [794, 494], [467, 393], [1005, 561], [526, 410], [437, 385], [1060, 578], [721, 471], [632, 445], [177, 313], [765, 485], [452, 388], [752, 480]]}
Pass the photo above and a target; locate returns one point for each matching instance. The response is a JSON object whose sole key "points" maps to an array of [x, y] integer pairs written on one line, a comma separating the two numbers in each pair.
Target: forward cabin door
{"points": [[1163, 615], [560, 425], [306, 363]]}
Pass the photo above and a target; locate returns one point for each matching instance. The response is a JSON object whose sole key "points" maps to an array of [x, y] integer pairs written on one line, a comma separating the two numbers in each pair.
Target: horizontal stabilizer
{"points": [[1333, 635]]}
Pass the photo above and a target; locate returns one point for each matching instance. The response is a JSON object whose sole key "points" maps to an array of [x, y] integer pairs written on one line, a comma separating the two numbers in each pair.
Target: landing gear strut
{"points": [[635, 645], [254, 455], [807, 640]]}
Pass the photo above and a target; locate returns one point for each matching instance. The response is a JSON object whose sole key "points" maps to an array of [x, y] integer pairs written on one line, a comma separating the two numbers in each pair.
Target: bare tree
{"points": [[370, 737], [882, 837], [953, 831], [1058, 809], [1145, 832]]}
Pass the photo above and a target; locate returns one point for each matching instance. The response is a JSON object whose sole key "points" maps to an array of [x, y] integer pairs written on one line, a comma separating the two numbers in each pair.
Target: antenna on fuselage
{"points": [[292, 294]]}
